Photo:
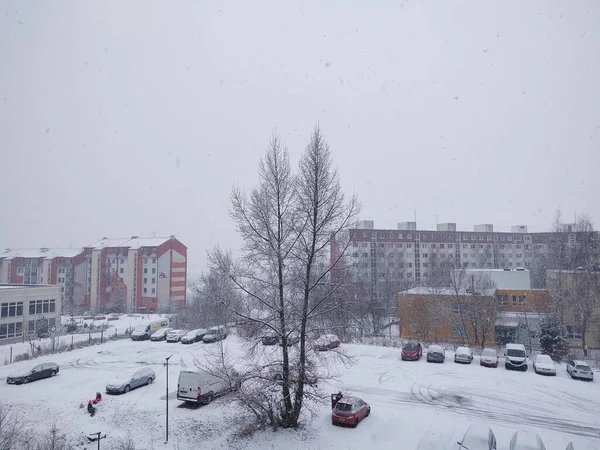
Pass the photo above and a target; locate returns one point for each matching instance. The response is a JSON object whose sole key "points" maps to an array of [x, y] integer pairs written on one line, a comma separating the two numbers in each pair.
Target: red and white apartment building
{"points": [[132, 274]]}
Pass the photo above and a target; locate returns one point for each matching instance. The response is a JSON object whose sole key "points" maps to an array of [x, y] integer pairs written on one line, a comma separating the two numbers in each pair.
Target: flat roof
{"points": [[46, 253], [27, 286]]}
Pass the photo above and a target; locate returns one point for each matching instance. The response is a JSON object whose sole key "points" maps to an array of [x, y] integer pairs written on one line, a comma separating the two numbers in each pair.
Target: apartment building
{"points": [[127, 274], [42, 266], [407, 254], [134, 274]]}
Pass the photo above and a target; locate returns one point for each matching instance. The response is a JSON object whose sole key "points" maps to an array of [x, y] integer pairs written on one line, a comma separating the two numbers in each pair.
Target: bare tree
{"points": [[11, 429], [288, 224]]}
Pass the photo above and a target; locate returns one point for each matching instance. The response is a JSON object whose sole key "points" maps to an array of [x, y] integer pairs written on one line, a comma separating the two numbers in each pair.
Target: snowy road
{"points": [[422, 406]]}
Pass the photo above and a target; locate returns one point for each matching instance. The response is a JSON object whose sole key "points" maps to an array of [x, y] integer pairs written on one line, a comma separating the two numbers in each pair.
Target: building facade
{"points": [[22, 307], [42, 266], [135, 274], [410, 255], [124, 275]]}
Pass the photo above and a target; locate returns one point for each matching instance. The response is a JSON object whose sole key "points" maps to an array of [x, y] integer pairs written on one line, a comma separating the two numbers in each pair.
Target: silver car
{"points": [[463, 355], [580, 369], [123, 384]]}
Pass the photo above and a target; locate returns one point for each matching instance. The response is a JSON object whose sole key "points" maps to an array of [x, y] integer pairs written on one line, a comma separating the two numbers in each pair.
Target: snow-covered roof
{"points": [[427, 290], [47, 253], [132, 243]]}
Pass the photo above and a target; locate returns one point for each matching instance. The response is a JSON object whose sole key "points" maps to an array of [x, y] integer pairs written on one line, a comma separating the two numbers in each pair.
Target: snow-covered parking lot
{"points": [[415, 405]]}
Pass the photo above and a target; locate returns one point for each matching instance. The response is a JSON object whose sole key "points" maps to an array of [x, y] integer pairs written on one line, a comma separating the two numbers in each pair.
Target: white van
{"points": [[202, 387], [144, 330], [516, 357]]}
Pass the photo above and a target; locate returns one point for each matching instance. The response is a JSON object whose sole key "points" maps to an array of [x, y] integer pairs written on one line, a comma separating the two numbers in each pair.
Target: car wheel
{"points": [[127, 389], [26, 380], [506, 367], [209, 399], [53, 373], [368, 412], [149, 381]]}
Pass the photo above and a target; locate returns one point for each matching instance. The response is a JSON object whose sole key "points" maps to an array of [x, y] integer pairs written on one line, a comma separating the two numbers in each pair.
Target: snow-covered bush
{"points": [[552, 338]]}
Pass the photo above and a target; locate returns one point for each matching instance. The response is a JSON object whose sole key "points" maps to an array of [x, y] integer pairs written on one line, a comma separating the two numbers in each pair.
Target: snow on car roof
{"points": [[578, 362], [435, 347]]}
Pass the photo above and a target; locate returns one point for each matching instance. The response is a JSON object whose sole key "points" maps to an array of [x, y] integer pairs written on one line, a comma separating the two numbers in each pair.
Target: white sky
{"points": [[128, 118]]}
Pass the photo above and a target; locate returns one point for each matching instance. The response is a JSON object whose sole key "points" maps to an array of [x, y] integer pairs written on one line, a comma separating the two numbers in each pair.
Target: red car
{"points": [[349, 411], [489, 358], [327, 342], [413, 350]]}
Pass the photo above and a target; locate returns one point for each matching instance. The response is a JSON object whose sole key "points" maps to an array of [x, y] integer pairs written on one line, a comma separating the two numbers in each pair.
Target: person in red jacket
{"points": [[98, 398]]}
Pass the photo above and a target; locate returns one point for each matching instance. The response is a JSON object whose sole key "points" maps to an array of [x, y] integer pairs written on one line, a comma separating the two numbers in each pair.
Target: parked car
{"points": [[580, 370], [123, 384], [160, 335], [194, 336], [478, 437], [327, 342], [45, 370], [525, 440], [516, 357], [145, 330], [463, 355], [270, 339], [175, 335], [543, 365], [215, 334], [435, 353], [349, 411], [489, 358], [202, 387], [412, 350], [292, 339]]}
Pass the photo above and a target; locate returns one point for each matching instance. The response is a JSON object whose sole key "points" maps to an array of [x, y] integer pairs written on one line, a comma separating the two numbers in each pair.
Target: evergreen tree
{"points": [[552, 338], [42, 328]]}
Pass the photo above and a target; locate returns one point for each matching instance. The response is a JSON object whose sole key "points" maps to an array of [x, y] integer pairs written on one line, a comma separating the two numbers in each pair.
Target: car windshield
{"points": [[212, 332], [343, 407], [515, 352], [489, 353], [583, 368], [544, 359], [410, 346]]}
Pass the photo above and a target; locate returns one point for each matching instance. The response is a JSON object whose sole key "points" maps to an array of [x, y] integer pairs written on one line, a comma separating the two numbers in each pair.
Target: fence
{"points": [[61, 343]]}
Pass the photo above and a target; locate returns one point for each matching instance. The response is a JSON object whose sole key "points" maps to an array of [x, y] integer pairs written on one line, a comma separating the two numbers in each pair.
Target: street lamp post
{"points": [[167, 400]]}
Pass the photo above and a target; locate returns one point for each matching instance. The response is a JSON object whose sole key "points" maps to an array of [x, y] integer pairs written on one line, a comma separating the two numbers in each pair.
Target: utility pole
{"points": [[167, 401], [98, 438]]}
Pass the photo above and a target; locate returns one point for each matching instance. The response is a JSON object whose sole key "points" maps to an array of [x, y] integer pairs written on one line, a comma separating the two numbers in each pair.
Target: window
{"points": [[400, 236], [573, 332], [502, 238], [465, 245], [518, 246], [522, 299], [424, 255], [31, 307], [450, 245], [519, 255], [355, 244], [13, 309], [443, 245], [465, 255], [409, 236], [153, 290], [145, 290], [510, 238], [31, 327], [19, 270], [489, 238], [121, 270], [458, 330], [480, 245], [408, 245], [409, 264], [145, 270], [153, 281], [145, 260], [459, 308], [145, 280], [514, 300], [154, 270], [481, 238], [423, 245], [502, 300], [473, 246], [473, 237], [365, 255], [11, 330], [365, 244]]}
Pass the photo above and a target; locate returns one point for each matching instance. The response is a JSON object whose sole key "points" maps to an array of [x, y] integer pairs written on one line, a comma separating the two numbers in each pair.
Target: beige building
{"points": [[21, 307]]}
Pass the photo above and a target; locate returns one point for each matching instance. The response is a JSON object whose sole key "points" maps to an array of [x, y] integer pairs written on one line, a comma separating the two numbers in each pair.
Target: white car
{"points": [[160, 335], [463, 355], [478, 437], [524, 440], [175, 335], [580, 369], [543, 365]]}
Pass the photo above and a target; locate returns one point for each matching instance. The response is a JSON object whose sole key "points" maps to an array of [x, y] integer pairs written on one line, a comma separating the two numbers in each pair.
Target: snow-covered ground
{"points": [[415, 405]]}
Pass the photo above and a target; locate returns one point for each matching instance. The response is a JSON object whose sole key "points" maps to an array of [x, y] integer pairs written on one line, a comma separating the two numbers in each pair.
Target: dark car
{"points": [[349, 411], [270, 339], [194, 336], [327, 342], [38, 372], [413, 350], [292, 339], [435, 353]]}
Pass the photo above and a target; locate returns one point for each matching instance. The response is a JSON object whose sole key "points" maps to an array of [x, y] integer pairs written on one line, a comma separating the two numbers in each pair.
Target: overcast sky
{"points": [[130, 118]]}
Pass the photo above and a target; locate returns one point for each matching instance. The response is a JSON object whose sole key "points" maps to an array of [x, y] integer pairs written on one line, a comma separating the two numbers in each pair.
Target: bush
{"points": [[552, 338]]}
